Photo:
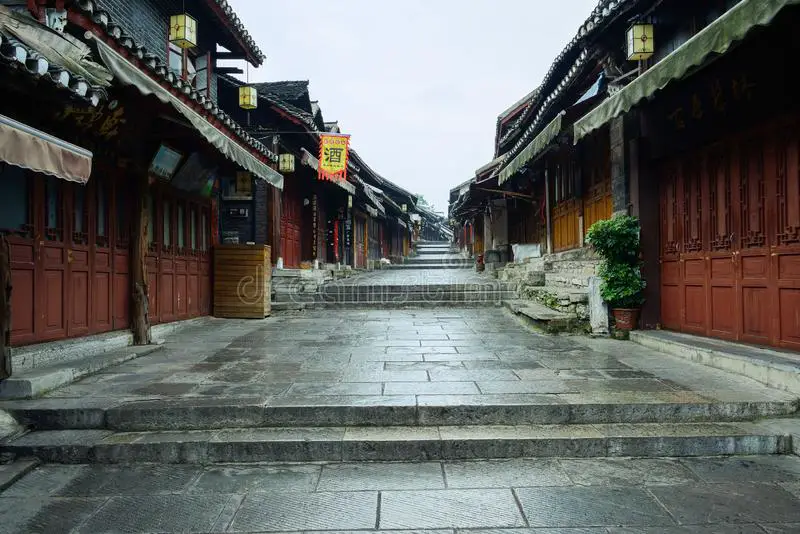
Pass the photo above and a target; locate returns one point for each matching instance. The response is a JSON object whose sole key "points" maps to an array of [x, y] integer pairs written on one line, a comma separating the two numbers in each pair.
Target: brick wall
{"points": [[147, 22], [241, 225], [261, 212]]}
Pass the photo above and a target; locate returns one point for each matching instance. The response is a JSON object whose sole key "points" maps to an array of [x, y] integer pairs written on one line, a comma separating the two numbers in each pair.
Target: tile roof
{"points": [[285, 90], [157, 69], [25, 58], [233, 22], [566, 68]]}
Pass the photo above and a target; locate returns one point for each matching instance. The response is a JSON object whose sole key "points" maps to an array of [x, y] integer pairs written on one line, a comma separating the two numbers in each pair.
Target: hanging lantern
{"points": [[248, 97], [286, 163], [641, 43], [183, 31], [404, 208]]}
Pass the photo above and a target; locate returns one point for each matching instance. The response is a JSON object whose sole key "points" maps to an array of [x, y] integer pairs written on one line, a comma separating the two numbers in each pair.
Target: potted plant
{"points": [[616, 240]]}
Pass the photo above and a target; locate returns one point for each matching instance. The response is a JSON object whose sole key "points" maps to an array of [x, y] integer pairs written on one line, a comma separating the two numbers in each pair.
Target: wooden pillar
{"points": [[5, 309], [140, 304], [549, 211]]}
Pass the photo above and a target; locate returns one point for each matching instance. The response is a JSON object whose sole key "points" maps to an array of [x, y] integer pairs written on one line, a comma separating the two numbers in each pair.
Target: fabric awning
{"points": [[534, 148], [32, 149], [128, 74], [716, 38], [310, 160]]}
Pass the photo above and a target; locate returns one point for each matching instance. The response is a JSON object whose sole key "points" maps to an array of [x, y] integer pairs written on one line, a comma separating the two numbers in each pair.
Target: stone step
{"points": [[550, 320], [12, 472], [336, 444], [438, 260], [379, 305], [380, 297], [29, 383], [436, 250], [774, 368], [387, 410], [406, 266], [566, 280], [565, 295]]}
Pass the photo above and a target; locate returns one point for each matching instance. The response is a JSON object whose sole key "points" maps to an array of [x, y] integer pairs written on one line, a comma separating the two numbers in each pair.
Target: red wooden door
{"points": [[181, 261], [205, 261], [78, 290], [52, 265], [291, 223], [166, 261], [121, 232], [730, 239], [21, 224], [102, 272]]}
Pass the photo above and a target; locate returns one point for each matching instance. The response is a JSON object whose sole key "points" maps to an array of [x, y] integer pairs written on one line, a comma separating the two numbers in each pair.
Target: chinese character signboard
{"points": [[333, 153]]}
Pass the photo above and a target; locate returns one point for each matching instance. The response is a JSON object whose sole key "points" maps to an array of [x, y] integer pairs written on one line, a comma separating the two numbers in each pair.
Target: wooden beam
{"points": [[229, 70], [5, 309], [230, 55], [140, 304]]}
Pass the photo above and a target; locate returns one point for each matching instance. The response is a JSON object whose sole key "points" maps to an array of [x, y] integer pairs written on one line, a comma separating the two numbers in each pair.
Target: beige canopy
{"points": [[33, 149], [128, 74]]}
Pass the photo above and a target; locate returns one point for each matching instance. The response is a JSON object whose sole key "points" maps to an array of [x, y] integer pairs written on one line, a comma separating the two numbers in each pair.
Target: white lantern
{"points": [[641, 42]]}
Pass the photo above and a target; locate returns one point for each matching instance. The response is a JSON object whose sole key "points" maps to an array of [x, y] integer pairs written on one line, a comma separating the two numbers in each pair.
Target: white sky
{"points": [[423, 81]]}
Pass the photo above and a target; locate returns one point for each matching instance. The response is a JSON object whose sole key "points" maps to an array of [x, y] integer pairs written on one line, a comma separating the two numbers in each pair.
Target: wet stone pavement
{"points": [[454, 356], [520, 496], [446, 357]]}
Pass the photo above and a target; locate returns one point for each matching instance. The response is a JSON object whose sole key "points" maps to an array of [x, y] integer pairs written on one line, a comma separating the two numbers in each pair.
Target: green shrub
{"points": [[616, 240]]}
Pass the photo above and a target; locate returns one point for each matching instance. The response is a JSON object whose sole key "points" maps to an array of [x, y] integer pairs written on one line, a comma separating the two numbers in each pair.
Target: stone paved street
{"points": [[704, 495], [354, 375], [408, 356]]}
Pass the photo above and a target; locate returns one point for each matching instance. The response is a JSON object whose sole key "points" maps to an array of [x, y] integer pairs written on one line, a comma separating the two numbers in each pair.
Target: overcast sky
{"points": [[423, 81]]}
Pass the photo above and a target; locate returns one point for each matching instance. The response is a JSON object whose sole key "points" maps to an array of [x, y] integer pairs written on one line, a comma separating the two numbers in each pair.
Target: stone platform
{"points": [[397, 385]]}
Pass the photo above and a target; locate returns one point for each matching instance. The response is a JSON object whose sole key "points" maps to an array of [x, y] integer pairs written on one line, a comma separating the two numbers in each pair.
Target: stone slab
{"points": [[449, 509]]}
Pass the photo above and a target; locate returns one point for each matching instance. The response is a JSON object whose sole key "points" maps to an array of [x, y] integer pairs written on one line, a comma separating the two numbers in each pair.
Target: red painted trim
{"points": [[229, 25]]}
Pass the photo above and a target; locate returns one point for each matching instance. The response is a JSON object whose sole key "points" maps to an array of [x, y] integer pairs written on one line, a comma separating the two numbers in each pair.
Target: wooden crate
{"points": [[242, 281]]}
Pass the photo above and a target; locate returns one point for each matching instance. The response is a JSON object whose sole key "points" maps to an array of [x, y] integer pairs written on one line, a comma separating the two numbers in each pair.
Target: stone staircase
{"points": [[433, 277], [433, 255], [558, 282], [397, 428]]}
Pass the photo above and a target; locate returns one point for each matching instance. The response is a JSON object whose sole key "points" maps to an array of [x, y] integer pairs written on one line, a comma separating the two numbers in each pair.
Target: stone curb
{"points": [[764, 366]]}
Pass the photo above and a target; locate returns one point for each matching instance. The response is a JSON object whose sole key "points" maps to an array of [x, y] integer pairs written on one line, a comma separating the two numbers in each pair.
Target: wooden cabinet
{"points": [[242, 281]]}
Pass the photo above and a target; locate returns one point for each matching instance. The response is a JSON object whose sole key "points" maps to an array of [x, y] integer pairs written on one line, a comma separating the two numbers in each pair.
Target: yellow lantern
{"points": [[641, 43], [248, 97], [183, 31], [286, 163]]}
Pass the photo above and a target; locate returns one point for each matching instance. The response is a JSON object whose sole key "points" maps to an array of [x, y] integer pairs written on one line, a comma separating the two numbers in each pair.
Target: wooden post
{"points": [[5, 309], [548, 209], [140, 304]]}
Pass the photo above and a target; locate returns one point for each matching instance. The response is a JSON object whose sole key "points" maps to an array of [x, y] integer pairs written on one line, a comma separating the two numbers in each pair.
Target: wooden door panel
{"points": [[166, 297], [102, 291], [789, 299], [23, 295], [54, 313], [755, 313], [79, 291], [22, 306], [152, 289], [122, 300], [193, 296]]}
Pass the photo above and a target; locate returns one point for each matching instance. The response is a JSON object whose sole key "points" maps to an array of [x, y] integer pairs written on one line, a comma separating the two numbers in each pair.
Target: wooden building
{"points": [[132, 247], [696, 137]]}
